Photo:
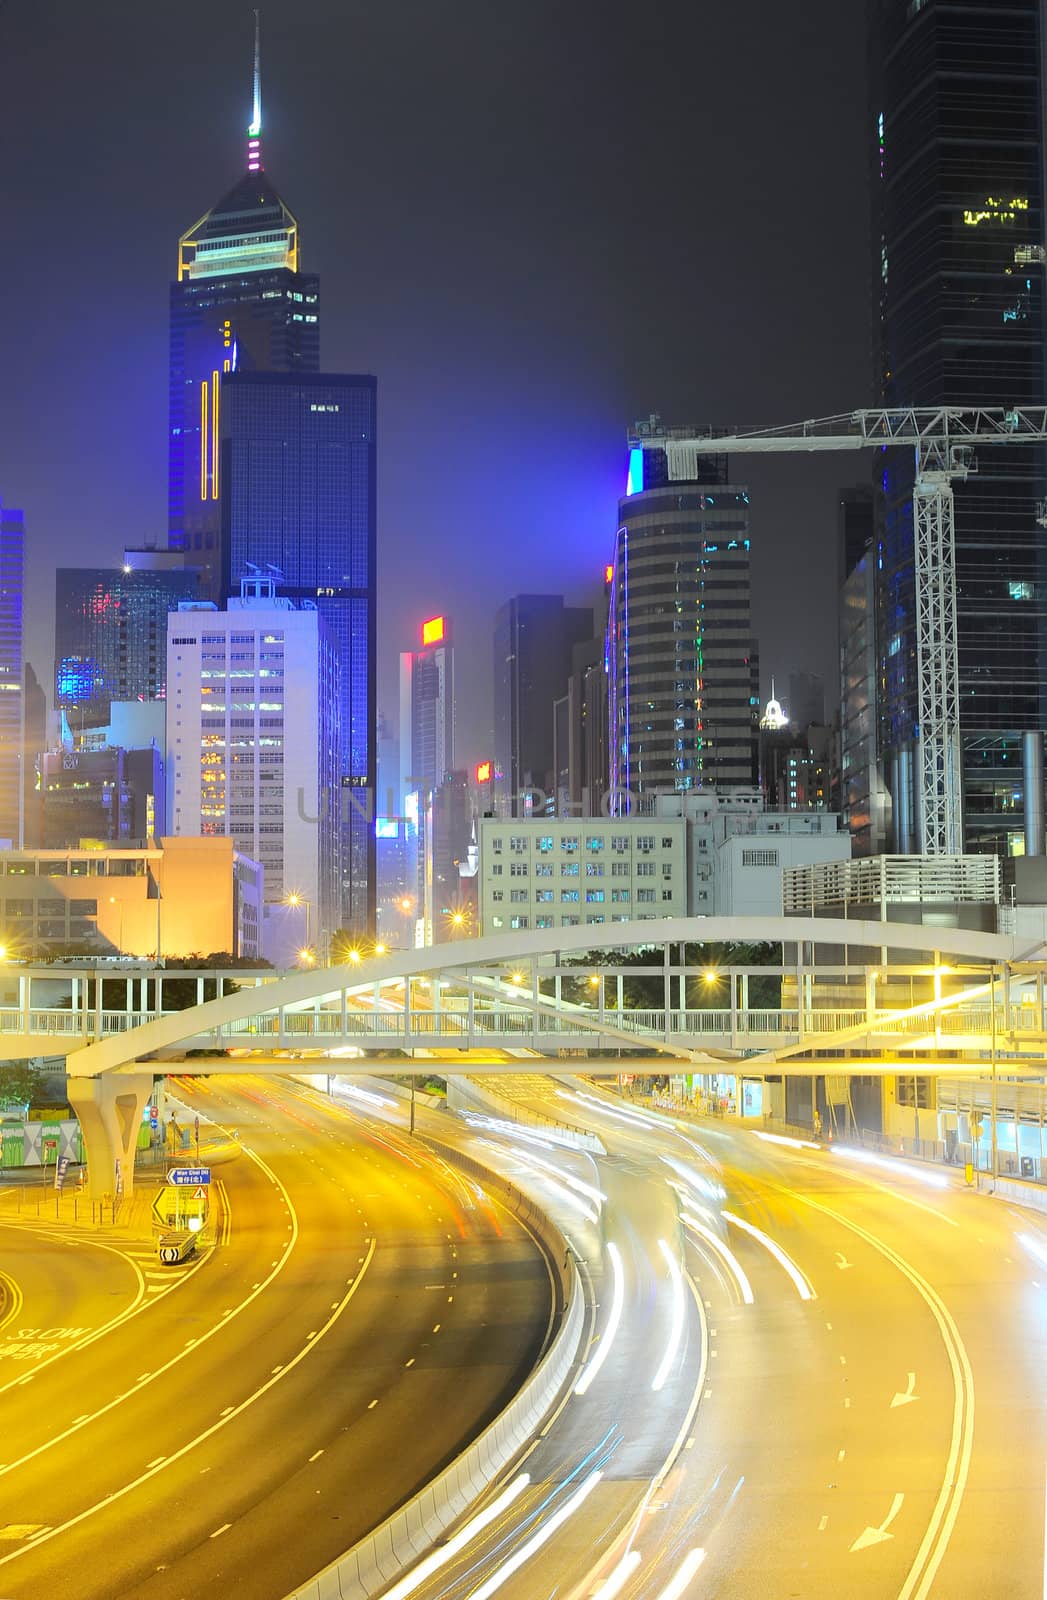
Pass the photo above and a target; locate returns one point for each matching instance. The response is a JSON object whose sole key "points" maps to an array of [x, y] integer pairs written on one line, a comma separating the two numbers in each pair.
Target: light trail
{"points": [[936, 1180], [726, 1255], [607, 1338], [615, 1582], [1035, 1247], [676, 1331], [781, 1138], [446, 1552], [537, 1540], [682, 1577], [788, 1265]]}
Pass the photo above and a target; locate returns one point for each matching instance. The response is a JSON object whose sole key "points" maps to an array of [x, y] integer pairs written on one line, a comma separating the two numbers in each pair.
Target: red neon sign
{"points": [[483, 772], [433, 630], [608, 574]]}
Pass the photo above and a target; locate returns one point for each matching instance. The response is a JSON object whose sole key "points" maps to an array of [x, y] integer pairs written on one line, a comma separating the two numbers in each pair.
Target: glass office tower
{"points": [[956, 137], [111, 633], [298, 502], [240, 304], [682, 673]]}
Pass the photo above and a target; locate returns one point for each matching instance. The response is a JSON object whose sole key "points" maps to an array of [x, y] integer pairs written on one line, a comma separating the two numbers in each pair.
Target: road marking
{"points": [[22, 1530], [222, 1529], [226, 1412], [437, 1328], [843, 1361], [878, 1535], [372, 1405], [316, 1455], [946, 1509], [157, 1461], [823, 1524], [410, 1363], [840, 1454], [842, 1261], [17, 1299], [908, 1396]]}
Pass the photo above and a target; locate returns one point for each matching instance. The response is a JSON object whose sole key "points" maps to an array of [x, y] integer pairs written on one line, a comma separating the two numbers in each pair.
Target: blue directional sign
{"points": [[189, 1177]]}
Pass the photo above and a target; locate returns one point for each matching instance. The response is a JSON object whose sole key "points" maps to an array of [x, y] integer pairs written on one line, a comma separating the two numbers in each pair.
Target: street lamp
{"points": [[294, 899]]}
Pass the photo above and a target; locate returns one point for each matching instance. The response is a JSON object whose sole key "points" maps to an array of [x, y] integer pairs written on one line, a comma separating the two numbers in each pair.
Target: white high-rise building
{"points": [[252, 696]]}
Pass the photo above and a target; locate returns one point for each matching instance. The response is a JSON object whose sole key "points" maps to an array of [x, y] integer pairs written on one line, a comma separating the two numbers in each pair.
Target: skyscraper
{"points": [[957, 148], [681, 662], [298, 457], [534, 637], [12, 599], [427, 708], [240, 303], [111, 632], [251, 747]]}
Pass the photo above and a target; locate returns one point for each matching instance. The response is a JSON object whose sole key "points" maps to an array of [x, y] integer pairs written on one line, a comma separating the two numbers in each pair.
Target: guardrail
{"points": [[378, 1560]]}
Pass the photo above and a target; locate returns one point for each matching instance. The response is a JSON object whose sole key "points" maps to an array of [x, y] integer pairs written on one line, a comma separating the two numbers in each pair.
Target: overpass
{"points": [[851, 995]]}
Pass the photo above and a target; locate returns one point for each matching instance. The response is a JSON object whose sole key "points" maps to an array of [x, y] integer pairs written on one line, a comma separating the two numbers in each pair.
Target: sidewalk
{"points": [[131, 1218]]}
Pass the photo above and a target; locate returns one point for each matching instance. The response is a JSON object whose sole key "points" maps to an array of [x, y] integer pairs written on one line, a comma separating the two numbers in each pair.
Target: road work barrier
{"points": [[372, 1565]]}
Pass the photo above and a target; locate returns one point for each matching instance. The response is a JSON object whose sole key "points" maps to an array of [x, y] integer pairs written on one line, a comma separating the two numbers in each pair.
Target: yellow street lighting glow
{"points": [[379, 949], [354, 955], [607, 1337], [710, 976], [594, 980], [803, 1288], [518, 977], [305, 955], [3, 952], [439, 1558]]}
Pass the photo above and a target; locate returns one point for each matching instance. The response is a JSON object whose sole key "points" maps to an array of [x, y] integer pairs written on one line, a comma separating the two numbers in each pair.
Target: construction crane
{"points": [[943, 439]]}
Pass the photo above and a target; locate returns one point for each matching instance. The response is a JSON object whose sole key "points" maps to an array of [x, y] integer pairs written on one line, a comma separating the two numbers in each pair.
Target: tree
{"points": [[18, 1084]]}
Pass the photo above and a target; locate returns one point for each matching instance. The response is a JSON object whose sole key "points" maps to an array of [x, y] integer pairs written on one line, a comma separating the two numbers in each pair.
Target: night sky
{"points": [[535, 222]]}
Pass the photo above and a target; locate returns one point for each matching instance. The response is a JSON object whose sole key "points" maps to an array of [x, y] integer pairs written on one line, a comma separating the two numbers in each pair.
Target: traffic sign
{"points": [[189, 1177]]}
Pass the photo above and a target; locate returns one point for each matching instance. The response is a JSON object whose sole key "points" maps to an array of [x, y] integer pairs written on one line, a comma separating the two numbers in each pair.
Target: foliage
{"points": [[19, 1081]]}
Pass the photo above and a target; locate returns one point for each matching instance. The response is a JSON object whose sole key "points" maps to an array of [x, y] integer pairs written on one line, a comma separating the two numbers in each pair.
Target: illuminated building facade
{"points": [[682, 678], [12, 597], [251, 741], [240, 303], [111, 633], [956, 145], [534, 640], [427, 707], [298, 452]]}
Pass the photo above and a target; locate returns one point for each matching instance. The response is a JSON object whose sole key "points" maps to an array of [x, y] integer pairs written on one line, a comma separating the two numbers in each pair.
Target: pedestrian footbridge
{"points": [[840, 995]]}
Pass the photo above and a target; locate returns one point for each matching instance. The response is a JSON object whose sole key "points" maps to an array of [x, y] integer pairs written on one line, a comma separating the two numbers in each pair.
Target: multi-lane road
{"points": [[841, 1390], [804, 1374], [235, 1427]]}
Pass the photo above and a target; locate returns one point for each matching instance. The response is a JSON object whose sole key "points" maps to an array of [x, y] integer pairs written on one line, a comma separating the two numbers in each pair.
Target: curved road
{"points": [[845, 1395], [366, 1313]]}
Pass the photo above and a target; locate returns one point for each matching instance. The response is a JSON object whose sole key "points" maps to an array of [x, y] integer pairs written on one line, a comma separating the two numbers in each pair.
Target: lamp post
{"points": [[295, 900]]}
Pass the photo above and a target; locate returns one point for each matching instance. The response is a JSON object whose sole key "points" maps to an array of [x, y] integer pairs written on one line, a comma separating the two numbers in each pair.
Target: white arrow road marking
{"points": [[906, 1398], [842, 1261], [878, 1535]]}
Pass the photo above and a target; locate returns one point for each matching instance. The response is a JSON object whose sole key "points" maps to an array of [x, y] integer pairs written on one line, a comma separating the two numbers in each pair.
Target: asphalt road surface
{"points": [[846, 1398], [362, 1315]]}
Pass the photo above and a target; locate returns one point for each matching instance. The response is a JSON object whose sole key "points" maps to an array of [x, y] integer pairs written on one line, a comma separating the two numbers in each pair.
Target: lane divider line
{"points": [[191, 1344], [208, 1433], [934, 1543], [726, 1255]]}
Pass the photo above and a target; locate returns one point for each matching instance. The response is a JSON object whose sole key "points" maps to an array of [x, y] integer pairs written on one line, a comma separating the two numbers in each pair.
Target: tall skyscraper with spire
{"points": [[240, 303]]}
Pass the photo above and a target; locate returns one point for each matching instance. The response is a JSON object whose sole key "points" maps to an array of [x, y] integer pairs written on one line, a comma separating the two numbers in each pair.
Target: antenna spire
{"points": [[254, 143]]}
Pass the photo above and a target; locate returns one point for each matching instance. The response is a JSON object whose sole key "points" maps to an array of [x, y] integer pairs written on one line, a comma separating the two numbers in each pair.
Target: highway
{"points": [[853, 1400], [362, 1314]]}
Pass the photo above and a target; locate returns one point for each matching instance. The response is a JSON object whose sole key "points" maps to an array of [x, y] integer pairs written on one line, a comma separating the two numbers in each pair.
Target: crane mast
{"points": [[943, 440]]}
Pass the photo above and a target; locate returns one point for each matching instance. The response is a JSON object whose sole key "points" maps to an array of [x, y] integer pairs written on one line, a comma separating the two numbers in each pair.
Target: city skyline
{"points": [[566, 349]]}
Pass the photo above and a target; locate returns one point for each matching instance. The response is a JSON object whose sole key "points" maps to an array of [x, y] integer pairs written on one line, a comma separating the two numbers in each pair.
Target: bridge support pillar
{"points": [[110, 1112]]}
